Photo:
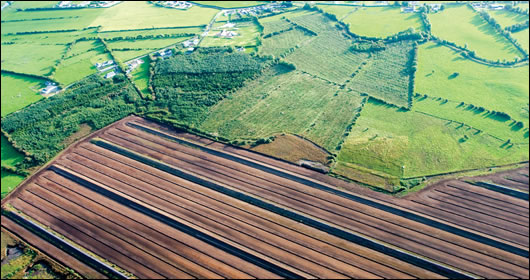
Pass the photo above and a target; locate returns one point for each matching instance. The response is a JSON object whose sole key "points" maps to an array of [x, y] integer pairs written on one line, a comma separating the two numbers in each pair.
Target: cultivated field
{"points": [[463, 26], [160, 204], [291, 102], [386, 75], [328, 55], [281, 44]]}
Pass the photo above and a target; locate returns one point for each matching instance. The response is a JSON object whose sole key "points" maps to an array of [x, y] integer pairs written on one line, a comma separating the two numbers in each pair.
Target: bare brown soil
{"points": [[293, 148], [150, 248]]}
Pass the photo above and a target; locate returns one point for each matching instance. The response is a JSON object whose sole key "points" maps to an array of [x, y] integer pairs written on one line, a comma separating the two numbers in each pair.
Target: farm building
{"points": [[164, 53], [181, 5], [496, 6], [103, 64], [435, 7], [228, 25], [408, 9], [226, 34], [110, 75], [51, 88]]}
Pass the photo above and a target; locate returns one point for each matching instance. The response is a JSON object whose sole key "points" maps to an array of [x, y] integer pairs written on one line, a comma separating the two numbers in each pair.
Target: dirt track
{"points": [[150, 248]]}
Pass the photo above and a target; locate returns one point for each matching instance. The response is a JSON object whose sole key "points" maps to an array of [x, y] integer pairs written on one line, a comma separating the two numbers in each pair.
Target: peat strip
{"points": [[65, 246], [272, 222], [403, 245], [179, 226], [502, 189], [393, 210], [413, 259]]}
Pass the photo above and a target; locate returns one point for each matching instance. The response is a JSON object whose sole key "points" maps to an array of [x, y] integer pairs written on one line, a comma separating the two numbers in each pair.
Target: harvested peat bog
{"points": [[264, 139]]}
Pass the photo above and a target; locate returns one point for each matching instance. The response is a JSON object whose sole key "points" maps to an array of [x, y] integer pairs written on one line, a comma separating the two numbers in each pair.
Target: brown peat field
{"points": [[138, 199]]}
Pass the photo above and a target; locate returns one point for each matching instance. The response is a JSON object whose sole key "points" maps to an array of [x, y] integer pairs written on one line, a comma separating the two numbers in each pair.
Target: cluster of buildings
{"points": [[226, 34], [485, 5], [252, 11], [190, 43], [133, 64], [181, 5], [85, 4], [413, 7], [164, 53], [104, 65], [110, 75], [50, 88]]}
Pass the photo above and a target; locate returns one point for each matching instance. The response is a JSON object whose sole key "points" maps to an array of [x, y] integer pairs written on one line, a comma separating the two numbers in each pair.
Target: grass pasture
{"points": [[80, 61], [231, 4], [10, 156], [328, 56], [48, 20], [146, 44], [385, 139], [499, 89], [140, 15], [150, 32], [247, 35], [483, 121], [462, 26], [381, 21], [291, 102], [341, 11], [140, 76], [18, 91], [31, 58], [506, 18], [386, 75], [522, 38], [9, 182]]}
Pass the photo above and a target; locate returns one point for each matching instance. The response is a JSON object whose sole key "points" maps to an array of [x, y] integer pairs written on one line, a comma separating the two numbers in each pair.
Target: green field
{"points": [[80, 61], [231, 4], [328, 55], [19, 91], [280, 44], [462, 26], [140, 76], [386, 75], [31, 58], [9, 182], [484, 121], [381, 21], [150, 32], [522, 38], [499, 89], [410, 144], [247, 35], [128, 55], [291, 102], [338, 10], [507, 18], [139, 15], [10, 156], [48, 20], [274, 24]]}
